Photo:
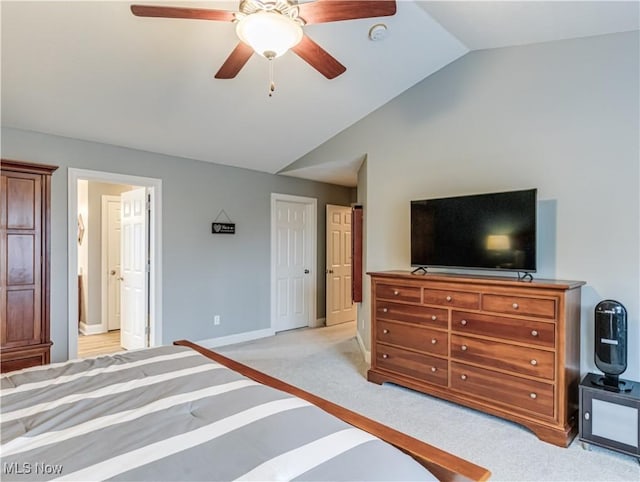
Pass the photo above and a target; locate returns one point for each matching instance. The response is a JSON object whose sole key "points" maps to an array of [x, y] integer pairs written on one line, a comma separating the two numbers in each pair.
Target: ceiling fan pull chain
{"points": [[272, 84]]}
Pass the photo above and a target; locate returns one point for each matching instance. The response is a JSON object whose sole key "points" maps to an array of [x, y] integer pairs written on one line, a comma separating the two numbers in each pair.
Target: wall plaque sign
{"points": [[223, 228], [218, 227]]}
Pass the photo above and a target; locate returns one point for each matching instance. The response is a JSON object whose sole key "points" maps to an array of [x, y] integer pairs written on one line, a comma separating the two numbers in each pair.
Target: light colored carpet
{"points": [[328, 362]]}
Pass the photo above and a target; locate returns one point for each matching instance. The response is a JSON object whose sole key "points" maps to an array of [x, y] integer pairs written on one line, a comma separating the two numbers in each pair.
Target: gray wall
{"points": [[560, 116], [203, 274]]}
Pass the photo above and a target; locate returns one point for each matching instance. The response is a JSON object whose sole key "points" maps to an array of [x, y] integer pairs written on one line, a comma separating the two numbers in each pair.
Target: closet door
{"points": [[24, 303]]}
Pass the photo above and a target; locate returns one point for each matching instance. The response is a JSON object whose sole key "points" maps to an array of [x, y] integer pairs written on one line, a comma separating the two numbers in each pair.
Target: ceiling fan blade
{"points": [[234, 63], [318, 58], [322, 11], [178, 12]]}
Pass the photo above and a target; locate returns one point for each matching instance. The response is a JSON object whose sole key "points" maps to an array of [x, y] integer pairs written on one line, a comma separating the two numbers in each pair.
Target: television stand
{"points": [[525, 276], [419, 269]]}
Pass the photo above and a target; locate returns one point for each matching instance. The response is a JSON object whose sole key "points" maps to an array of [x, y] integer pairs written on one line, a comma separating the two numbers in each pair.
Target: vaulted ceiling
{"points": [[93, 71]]}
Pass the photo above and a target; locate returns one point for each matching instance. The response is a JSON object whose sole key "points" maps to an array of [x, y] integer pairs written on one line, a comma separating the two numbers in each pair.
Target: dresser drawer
{"points": [[518, 394], [424, 315], [457, 299], [518, 305], [493, 354], [526, 331], [398, 292], [423, 367], [414, 337]]}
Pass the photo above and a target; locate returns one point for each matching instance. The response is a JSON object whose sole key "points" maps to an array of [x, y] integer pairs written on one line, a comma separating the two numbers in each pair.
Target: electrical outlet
{"points": [[216, 320]]}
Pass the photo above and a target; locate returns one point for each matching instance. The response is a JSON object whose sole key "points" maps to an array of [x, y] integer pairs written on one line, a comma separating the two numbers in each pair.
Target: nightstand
{"points": [[610, 419]]}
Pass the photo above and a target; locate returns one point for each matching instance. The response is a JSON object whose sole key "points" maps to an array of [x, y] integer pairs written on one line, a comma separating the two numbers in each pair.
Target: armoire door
{"points": [[22, 250]]}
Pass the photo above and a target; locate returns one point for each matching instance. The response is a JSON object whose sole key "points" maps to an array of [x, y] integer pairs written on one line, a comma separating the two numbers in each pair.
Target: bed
{"points": [[183, 412]]}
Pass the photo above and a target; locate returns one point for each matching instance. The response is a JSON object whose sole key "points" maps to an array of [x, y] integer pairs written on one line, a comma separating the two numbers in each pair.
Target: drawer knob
{"points": [[434, 369], [384, 355], [396, 292], [533, 395], [463, 322], [515, 306], [463, 377], [464, 347], [534, 362], [448, 298], [384, 310], [433, 341], [434, 317], [385, 331], [534, 333]]}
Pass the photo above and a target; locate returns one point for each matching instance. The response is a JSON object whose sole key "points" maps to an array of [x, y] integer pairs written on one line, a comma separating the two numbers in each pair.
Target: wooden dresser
{"points": [[24, 274], [507, 347]]}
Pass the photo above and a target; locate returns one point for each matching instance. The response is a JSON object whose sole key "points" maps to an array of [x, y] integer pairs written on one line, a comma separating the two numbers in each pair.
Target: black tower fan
{"points": [[611, 344]]}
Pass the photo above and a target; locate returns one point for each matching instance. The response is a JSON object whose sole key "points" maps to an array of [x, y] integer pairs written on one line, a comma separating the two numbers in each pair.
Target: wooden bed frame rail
{"points": [[445, 466]]}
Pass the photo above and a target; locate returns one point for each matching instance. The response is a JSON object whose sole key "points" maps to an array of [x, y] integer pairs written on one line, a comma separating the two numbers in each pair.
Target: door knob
{"points": [[120, 278], [112, 272], [306, 271]]}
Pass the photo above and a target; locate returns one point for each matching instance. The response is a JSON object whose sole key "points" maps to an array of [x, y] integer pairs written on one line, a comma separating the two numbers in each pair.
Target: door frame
{"points": [[106, 198], [155, 250], [311, 208]]}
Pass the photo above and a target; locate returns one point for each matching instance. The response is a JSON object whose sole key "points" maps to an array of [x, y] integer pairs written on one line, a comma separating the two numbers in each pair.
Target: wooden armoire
{"points": [[24, 275]]}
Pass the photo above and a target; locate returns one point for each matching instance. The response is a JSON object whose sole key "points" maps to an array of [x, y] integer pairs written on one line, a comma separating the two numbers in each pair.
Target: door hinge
{"points": [[148, 266], [146, 328], [148, 202]]}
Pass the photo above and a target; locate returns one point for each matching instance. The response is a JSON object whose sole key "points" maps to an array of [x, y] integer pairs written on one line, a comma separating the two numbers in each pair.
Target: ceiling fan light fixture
{"points": [[270, 34]]}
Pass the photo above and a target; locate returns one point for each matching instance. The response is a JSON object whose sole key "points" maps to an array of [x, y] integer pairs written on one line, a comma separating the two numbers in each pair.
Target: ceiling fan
{"points": [[272, 27]]}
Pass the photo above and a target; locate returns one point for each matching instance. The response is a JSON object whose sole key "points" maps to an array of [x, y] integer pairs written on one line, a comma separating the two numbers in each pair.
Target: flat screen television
{"points": [[495, 231]]}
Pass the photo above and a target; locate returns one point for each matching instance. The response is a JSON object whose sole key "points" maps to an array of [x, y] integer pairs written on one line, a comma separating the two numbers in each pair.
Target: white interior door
{"points": [[134, 279], [340, 307], [293, 268], [111, 211]]}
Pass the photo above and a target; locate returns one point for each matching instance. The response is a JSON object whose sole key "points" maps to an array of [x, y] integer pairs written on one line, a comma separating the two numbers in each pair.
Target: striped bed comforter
{"points": [[169, 413]]}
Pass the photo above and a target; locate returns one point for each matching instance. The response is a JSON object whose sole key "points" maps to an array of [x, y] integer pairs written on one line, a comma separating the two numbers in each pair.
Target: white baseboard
{"points": [[318, 323], [94, 329], [365, 353], [237, 338]]}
